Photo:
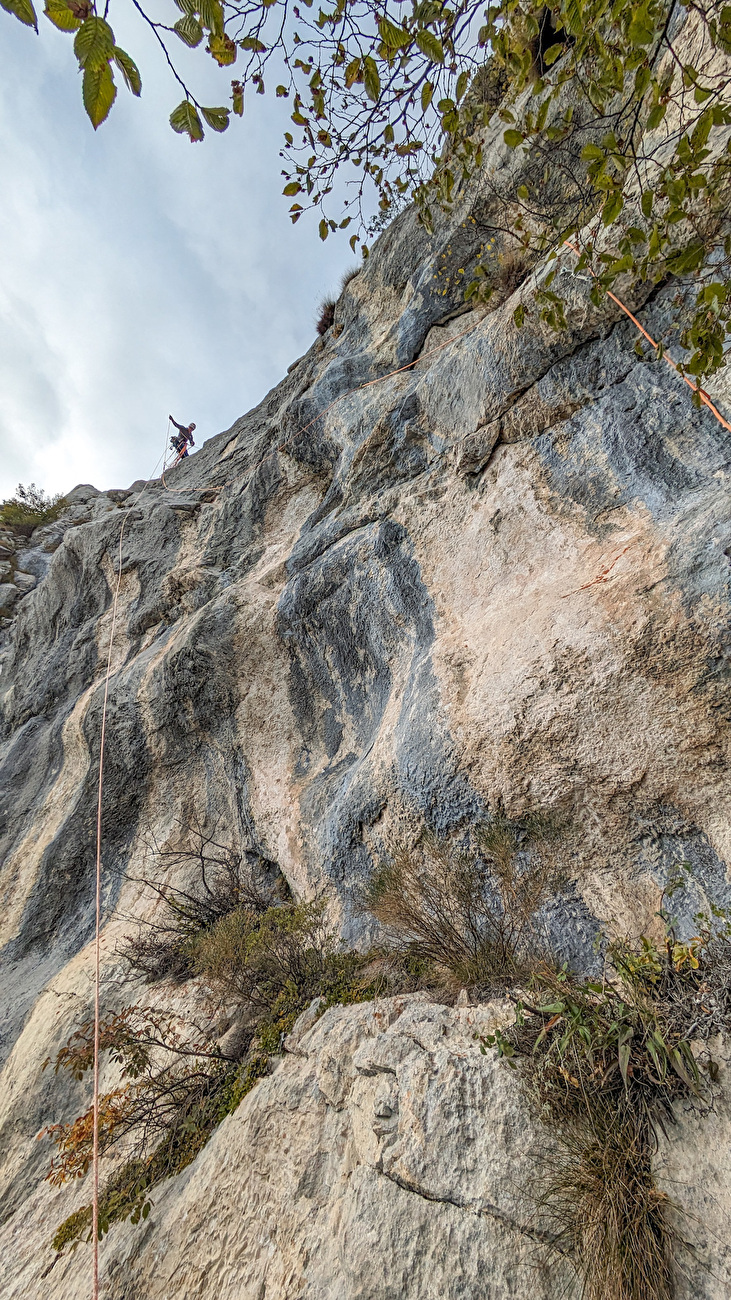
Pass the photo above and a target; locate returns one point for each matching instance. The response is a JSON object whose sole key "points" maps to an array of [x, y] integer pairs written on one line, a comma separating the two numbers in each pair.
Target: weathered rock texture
{"points": [[500, 575]]}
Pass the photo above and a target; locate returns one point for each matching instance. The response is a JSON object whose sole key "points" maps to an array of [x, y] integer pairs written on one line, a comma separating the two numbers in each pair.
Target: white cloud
{"points": [[142, 274]]}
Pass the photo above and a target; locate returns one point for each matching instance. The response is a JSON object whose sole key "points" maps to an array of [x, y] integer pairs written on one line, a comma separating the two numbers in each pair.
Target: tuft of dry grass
{"points": [[514, 264], [327, 316], [601, 1202], [348, 276]]}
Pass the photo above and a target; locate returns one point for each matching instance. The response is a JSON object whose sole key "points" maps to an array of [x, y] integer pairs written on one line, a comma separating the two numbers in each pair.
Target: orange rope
{"points": [[97, 930], [97, 916], [694, 387]]}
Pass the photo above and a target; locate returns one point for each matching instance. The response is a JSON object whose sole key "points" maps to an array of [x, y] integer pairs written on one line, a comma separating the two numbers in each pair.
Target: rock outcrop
{"points": [[499, 576]]}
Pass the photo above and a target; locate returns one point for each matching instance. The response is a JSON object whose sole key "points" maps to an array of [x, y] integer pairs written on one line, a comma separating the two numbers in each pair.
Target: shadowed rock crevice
{"points": [[489, 1211]]}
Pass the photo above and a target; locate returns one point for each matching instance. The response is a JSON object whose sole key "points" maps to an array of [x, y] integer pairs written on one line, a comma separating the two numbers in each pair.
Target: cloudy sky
{"points": [[140, 274]]}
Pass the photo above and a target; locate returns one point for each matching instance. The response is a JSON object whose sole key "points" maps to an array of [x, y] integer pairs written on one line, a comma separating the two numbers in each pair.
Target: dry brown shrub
{"points": [[249, 957], [470, 913], [489, 85], [513, 265], [606, 1063], [222, 880]]}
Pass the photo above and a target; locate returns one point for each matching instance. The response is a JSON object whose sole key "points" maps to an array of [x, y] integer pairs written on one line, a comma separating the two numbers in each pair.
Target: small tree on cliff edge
{"points": [[623, 112]]}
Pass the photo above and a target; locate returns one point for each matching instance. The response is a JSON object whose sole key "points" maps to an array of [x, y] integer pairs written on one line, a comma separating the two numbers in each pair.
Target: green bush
{"points": [[261, 962], [30, 508], [605, 1062]]}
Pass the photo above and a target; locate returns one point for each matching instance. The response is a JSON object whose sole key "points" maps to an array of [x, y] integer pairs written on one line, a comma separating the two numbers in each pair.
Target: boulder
{"points": [[25, 582], [8, 595]]}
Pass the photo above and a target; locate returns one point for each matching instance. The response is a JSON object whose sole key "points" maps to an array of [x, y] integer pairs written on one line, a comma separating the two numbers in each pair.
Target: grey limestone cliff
{"points": [[501, 575]]}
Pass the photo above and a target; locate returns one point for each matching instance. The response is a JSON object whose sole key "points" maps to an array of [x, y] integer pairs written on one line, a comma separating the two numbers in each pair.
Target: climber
{"points": [[181, 439]]}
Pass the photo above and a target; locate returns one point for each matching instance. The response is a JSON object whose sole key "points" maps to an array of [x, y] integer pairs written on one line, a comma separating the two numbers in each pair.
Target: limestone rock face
{"points": [[501, 574], [385, 1157]]}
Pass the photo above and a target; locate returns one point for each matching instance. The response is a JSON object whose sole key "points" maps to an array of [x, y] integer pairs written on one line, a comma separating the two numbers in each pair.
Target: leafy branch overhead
{"points": [[617, 118]]}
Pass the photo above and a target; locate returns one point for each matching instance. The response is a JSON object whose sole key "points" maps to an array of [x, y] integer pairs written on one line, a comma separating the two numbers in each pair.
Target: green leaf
{"points": [[658, 1062], [688, 259], [427, 91], [222, 49], [641, 30], [189, 30], [702, 130], [430, 45], [371, 79], [513, 138], [291, 189], [94, 45], [61, 16], [522, 193], [551, 1008], [646, 203], [129, 70], [352, 73], [238, 104], [463, 82], [552, 53], [324, 229], [681, 1069], [612, 208], [621, 264], [211, 15], [185, 121], [394, 37], [624, 1050], [643, 77], [217, 118], [592, 151], [98, 92], [22, 10]]}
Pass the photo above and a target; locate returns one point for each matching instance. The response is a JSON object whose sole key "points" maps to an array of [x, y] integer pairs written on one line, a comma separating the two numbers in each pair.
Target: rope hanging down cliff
{"points": [[98, 894], [696, 388]]}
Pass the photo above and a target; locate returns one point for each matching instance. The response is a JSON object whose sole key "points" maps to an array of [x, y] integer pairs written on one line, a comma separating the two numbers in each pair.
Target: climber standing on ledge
{"points": [[181, 439]]}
